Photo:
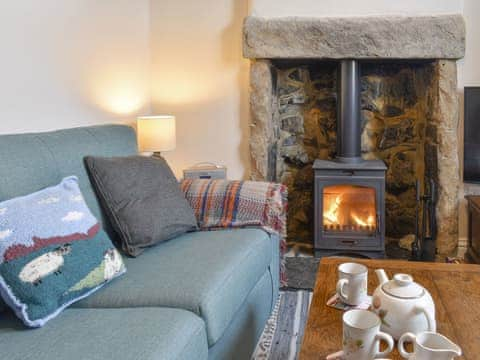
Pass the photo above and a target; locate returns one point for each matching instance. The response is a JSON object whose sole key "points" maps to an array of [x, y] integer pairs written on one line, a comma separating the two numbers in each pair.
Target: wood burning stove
{"points": [[350, 208], [349, 191]]}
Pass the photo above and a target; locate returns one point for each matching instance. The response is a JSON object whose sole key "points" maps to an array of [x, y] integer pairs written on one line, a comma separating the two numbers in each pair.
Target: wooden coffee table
{"points": [[454, 288]]}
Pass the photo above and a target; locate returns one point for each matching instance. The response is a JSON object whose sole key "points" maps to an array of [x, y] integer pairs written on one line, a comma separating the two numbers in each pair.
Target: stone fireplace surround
{"points": [[410, 108]]}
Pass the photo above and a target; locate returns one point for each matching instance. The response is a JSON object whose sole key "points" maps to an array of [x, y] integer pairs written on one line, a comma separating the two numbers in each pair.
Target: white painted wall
{"points": [[470, 65], [72, 62], [199, 75], [274, 8], [81, 62]]}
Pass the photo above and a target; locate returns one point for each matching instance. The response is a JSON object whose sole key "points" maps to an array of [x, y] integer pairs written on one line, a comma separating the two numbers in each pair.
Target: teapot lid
{"points": [[403, 286]]}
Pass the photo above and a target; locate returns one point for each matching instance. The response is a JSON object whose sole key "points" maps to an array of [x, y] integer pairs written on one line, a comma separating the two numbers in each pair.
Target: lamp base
{"points": [[156, 154]]}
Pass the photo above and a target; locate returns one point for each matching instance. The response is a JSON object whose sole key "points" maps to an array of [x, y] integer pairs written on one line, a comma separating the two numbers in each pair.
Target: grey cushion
{"points": [[142, 198], [101, 334]]}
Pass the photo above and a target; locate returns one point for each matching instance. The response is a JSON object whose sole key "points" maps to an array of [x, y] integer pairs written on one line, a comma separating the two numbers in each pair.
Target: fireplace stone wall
{"points": [[409, 120]]}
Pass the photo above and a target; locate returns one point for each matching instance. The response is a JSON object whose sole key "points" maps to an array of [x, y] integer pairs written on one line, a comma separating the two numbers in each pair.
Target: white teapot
{"points": [[403, 305]]}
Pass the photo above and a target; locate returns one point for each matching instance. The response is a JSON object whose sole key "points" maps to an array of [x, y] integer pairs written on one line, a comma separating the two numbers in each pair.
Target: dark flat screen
{"points": [[471, 167]]}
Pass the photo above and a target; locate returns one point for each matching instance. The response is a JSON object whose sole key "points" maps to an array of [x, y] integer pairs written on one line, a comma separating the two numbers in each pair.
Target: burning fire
{"points": [[349, 208], [331, 214], [369, 222]]}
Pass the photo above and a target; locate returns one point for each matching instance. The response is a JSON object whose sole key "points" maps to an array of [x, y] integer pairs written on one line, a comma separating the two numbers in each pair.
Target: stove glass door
{"points": [[349, 208]]}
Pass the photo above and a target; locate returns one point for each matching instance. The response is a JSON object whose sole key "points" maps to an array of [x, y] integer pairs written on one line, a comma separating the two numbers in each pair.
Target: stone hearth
{"points": [[409, 108]]}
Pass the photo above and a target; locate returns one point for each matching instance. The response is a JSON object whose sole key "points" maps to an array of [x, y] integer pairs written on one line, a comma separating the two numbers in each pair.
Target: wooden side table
{"points": [[473, 249], [455, 289]]}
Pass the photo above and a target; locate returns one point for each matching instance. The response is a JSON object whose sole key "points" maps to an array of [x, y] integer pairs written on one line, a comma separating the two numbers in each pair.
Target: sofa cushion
{"points": [[209, 273], [143, 200], [52, 252], [99, 334]]}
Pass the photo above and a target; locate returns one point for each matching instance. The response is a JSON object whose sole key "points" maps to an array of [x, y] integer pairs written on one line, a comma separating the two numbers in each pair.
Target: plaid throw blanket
{"points": [[222, 204]]}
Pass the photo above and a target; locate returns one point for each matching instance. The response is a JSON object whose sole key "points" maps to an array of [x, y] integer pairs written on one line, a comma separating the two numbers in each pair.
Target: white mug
{"points": [[352, 283], [428, 345], [362, 336]]}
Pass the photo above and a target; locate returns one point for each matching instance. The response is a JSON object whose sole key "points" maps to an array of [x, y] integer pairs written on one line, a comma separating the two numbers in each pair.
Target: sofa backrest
{"points": [[31, 162]]}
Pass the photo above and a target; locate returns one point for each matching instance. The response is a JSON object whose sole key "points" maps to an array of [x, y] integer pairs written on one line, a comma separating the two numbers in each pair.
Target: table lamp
{"points": [[156, 134]]}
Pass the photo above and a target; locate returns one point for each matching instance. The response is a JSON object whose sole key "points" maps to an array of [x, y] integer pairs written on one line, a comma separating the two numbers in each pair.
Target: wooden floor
{"points": [[455, 289]]}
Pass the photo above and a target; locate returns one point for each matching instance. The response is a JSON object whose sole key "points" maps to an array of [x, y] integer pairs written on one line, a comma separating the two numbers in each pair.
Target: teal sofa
{"points": [[203, 295]]}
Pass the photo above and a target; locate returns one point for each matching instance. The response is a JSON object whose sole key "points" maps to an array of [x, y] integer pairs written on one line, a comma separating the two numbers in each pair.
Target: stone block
{"points": [[262, 109], [371, 37]]}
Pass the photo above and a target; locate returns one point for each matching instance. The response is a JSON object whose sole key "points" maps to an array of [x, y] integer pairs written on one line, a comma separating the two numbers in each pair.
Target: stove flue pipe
{"points": [[348, 112]]}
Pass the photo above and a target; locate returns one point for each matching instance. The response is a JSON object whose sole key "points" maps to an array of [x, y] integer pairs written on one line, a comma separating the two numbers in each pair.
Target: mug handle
{"points": [[389, 340], [401, 348], [340, 285]]}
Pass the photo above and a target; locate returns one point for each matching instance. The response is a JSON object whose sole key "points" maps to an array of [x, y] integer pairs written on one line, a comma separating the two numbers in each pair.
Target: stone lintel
{"points": [[373, 37]]}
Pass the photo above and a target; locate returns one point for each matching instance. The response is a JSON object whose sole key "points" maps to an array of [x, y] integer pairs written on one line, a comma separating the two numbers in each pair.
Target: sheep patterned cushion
{"points": [[53, 252]]}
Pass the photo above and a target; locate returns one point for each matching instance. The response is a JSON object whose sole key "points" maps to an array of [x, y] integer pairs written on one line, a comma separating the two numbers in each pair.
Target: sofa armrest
{"points": [[230, 203]]}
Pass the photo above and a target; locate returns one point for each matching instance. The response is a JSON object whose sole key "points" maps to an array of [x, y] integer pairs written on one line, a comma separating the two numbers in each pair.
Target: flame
{"points": [[358, 220], [331, 215], [369, 222], [349, 208]]}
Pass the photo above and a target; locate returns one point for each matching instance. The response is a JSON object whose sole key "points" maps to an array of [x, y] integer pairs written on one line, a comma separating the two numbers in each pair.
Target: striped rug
{"points": [[283, 333]]}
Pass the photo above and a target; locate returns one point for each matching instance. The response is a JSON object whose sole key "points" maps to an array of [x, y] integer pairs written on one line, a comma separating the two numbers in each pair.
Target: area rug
{"points": [[282, 337]]}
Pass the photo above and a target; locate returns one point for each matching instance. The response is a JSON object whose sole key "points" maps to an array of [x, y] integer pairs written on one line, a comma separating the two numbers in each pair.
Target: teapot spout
{"points": [[381, 276]]}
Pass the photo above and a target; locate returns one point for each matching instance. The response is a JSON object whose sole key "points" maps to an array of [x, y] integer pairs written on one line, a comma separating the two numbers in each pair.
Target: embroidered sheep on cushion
{"points": [[44, 265], [111, 265]]}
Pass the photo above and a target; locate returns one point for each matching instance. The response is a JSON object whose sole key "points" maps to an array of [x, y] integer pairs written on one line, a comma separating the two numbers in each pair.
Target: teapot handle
{"points": [[430, 319]]}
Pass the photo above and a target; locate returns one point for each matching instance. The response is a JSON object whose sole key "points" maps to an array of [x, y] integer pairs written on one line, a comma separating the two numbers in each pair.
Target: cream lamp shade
{"points": [[156, 133]]}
